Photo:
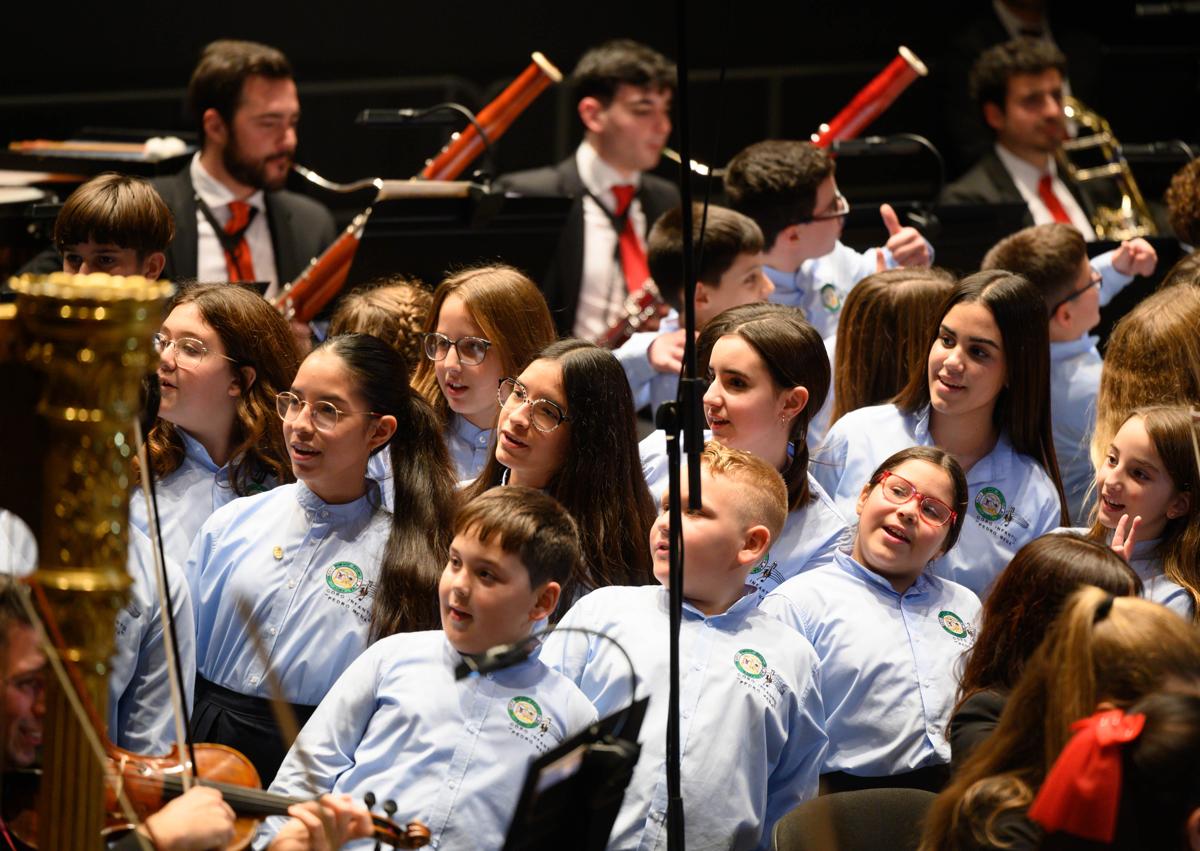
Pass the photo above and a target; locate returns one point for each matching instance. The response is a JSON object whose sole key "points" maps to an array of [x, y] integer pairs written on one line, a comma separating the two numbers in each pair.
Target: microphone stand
{"points": [[683, 413]]}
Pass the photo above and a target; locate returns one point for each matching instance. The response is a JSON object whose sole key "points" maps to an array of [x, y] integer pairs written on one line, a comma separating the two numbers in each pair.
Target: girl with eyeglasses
{"points": [[566, 426], [320, 567], [224, 354], [768, 373], [983, 395], [485, 323], [890, 635]]}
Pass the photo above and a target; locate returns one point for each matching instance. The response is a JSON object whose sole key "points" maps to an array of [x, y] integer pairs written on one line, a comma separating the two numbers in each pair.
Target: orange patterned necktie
{"points": [[238, 262]]}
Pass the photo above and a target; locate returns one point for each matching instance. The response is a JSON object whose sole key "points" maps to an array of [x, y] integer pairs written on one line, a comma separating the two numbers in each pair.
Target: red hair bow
{"points": [[1082, 792]]}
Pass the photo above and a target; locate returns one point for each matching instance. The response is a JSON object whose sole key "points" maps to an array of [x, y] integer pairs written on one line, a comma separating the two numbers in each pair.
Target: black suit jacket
{"points": [[988, 182], [563, 279], [301, 228]]}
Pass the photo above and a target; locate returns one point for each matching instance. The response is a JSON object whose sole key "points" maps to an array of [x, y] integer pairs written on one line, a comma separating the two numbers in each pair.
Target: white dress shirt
{"points": [[602, 289], [1026, 176], [210, 259]]}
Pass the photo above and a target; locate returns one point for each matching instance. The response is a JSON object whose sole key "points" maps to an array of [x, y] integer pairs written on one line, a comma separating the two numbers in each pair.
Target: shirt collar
{"points": [[598, 176], [783, 281], [195, 450], [1024, 172], [320, 510], [1069, 348], [470, 432], [216, 194], [730, 619], [846, 562]]}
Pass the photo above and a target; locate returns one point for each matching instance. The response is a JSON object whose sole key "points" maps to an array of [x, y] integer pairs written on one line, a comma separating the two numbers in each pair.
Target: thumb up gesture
{"points": [[906, 244]]}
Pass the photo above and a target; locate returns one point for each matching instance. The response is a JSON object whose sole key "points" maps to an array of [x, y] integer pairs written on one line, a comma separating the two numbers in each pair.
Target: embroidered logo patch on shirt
{"points": [[525, 711], [990, 503], [959, 629], [751, 663], [831, 299], [344, 577]]}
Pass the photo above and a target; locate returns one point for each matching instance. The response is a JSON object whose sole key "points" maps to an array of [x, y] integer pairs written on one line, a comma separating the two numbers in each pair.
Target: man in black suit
{"points": [[1019, 88], [624, 91], [244, 100]]}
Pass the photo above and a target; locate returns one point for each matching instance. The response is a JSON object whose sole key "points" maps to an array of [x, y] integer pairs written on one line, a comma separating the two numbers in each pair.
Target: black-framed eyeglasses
{"points": [[324, 414], [1093, 281], [839, 209], [545, 415], [899, 490], [471, 350], [189, 352]]}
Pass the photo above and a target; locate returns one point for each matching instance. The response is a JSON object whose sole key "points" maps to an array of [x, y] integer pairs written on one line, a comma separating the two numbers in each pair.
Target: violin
{"points": [[149, 782]]}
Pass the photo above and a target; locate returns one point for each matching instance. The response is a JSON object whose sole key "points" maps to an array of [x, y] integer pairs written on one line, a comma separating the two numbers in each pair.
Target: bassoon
{"points": [[317, 285]]}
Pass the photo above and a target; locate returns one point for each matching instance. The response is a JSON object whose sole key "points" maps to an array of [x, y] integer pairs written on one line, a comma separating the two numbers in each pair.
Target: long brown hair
{"points": [[1027, 597], [1152, 358], [881, 335], [601, 481], [394, 309], [1022, 409], [1175, 437], [254, 334], [794, 355], [510, 311], [1100, 648], [423, 498]]}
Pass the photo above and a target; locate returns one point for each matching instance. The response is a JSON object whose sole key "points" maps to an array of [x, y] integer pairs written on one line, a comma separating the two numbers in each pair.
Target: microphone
{"points": [[1172, 149], [497, 658], [404, 117]]}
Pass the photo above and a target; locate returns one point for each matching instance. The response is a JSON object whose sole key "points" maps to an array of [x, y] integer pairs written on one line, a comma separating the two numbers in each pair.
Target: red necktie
{"points": [[1046, 193], [633, 257], [238, 262]]}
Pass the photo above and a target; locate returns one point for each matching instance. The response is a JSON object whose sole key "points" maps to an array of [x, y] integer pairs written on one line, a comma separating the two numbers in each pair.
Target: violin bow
{"points": [[46, 629], [170, 638]]}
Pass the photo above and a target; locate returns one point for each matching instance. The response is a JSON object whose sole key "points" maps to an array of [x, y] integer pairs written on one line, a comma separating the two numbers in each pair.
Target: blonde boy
{"points": [[751, 718]]}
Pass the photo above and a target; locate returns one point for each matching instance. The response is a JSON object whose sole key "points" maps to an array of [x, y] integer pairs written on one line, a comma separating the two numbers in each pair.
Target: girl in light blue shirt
{"points": [[322, 569], [889, 635], [768, 374], [982, 395], [485, 323], [1150, 472], [225, 353]]}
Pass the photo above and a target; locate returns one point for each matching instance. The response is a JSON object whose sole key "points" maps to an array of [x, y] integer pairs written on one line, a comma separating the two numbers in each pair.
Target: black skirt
{"points": [[244, 723]]}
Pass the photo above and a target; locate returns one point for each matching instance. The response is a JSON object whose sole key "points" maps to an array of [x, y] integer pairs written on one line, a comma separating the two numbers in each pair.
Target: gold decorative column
{"points": [[90, 336]]}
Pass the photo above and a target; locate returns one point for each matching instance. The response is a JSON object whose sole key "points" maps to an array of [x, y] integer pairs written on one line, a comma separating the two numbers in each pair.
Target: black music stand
{"points": [[573, 793], [430, 237]]}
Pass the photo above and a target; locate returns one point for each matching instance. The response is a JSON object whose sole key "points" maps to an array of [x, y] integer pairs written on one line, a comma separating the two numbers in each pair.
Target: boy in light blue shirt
{"points": [[729, 273], [789, 189], [752, 734], [1054, 259], [452, 753]]}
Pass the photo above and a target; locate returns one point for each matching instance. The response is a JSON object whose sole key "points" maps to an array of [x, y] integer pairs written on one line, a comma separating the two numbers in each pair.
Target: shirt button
{"points": [[254, 681], [292, 583], [324, 515], [472, 729], [450, 785], [273, 631]]}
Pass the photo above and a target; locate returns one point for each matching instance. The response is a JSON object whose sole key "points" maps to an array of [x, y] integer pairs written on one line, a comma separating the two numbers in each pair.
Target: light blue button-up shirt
{"points": [[309, 571], [810, 537], [821, 284], [1011, 499], [186, 497], [752, 732], [1147, 564], [451, 754], [140, 713], [141, 717], [469, 448], [889, 662], [1074, 384]]}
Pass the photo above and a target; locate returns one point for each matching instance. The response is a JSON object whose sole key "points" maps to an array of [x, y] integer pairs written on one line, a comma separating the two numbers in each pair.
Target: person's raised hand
{"points": [[907, 245], [1135, 257]]}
